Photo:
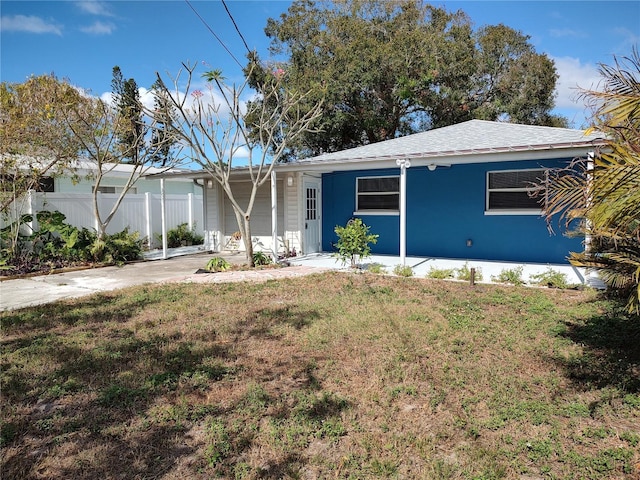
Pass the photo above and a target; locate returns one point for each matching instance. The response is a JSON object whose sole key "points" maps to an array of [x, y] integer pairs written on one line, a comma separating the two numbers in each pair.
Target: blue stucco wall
{"points": [[445, 208]]}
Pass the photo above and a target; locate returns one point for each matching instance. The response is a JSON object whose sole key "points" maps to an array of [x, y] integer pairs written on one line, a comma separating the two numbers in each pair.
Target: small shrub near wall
{"points": [[182, 236]]}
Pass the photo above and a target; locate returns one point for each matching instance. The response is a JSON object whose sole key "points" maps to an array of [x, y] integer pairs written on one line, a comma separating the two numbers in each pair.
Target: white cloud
{"points": [[94, 8], [574, 76], [567, 32], [146, 97], [99, 28], [629, 39], [29, 24]]}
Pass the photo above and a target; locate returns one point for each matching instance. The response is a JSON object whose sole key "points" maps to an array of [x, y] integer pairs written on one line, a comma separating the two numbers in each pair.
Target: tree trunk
{"points": [[248, 242], [244, 227]]}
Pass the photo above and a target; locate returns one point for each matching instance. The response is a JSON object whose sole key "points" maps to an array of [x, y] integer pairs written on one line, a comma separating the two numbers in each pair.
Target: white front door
{"points": [[311, 217]]}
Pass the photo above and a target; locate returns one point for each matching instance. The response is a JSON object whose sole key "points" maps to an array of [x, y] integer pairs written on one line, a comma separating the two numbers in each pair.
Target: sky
{"points": [[82, 41]]}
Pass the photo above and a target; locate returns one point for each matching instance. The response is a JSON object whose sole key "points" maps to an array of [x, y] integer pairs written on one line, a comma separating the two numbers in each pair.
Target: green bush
{"points": [[217, 264], [464, 273], [550, 278], [261, 258], [118, 248], [403, 271], [509, 275], [376, 268], [440, 273], [57, 244], [353, 242], [181, 236]]}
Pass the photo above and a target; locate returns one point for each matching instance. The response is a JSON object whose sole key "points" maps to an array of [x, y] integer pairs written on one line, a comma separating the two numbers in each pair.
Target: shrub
{"points": [[217, 264], [509, 275], [181, 236], [353, 242], [550, 278], [118, 248], [261, 258], [403, 271], [440, 273], [464, 273], [376, 268], [57, 244]]}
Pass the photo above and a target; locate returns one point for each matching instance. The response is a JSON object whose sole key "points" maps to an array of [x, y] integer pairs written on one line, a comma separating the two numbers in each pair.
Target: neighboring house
{"points": [[465, 188], [71, 194], [79, 180]]}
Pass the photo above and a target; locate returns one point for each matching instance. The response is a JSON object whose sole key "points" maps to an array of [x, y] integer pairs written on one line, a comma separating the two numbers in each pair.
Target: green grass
{"points": [[329, 376]]}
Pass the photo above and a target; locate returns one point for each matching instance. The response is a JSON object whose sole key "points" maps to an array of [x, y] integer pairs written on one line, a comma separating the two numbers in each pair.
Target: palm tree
{"points": [[599, 197]]}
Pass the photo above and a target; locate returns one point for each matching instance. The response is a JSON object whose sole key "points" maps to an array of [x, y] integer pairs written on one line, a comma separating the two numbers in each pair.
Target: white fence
{"points": [[138, 212]]}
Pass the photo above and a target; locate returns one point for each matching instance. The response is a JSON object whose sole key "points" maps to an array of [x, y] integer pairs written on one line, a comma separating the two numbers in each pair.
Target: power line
{"points": [[236, 26], [214, 33]]}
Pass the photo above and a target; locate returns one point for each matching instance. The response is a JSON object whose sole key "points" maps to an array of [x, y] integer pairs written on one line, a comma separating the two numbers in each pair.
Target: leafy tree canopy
{"points": [[38, 119], [387, 68]]}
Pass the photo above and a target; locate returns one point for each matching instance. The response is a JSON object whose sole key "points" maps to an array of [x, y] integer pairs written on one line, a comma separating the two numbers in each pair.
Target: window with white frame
{"points": [[378, 194], [109, 189], [511, 191]]}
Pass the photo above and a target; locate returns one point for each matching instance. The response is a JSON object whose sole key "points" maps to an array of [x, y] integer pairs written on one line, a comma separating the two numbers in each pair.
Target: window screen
{"points": [[511, 190], [378, 193]]}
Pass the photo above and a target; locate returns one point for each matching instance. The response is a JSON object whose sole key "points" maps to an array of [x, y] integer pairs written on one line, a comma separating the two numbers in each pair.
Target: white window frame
{"points": [[512, 211], [116, 189], [391, 211]]}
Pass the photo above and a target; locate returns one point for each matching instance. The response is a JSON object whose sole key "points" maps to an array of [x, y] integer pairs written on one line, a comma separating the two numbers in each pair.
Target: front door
{"points": [[311, 218]]}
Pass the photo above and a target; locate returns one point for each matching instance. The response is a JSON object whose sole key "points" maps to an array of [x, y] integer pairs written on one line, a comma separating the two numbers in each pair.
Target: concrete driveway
{"points": [[42, 289]]}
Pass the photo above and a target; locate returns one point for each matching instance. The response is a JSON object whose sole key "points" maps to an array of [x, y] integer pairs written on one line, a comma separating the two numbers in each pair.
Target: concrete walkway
{"points": [[182, 265], [41, 289]]}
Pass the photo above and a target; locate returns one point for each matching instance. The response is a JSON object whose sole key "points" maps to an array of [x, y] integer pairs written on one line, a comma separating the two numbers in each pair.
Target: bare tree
{"points": [[220, 128], [112, 135]]}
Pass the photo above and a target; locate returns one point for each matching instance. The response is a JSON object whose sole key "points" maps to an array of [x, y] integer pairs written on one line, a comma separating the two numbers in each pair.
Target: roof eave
{"points": [[454, 157]]}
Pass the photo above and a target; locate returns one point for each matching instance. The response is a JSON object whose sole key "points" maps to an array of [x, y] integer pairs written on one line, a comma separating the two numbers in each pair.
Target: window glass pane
{"points": [[379, 184], [379, 202], [521, 179], [512, 201], [45, 184]]}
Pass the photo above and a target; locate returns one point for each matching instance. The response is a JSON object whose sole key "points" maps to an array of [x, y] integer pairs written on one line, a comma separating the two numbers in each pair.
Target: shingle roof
{"points": [[467, 138]]}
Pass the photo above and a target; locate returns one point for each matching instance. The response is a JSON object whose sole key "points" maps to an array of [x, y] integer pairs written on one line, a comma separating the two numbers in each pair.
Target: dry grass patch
{"points": [[334, 375]]}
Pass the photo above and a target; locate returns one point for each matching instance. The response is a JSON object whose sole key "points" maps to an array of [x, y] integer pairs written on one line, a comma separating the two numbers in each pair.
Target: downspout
{"points": [[164, 219], [403, 164], [274, 216]]}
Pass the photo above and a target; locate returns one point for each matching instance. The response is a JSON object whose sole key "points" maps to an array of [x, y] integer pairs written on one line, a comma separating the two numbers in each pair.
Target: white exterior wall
{"points": [[212, 216], [294, 214], [220, 221], [260, 217]]}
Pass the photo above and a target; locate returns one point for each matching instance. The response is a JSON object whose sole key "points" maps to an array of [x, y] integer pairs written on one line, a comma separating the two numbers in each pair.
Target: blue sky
{"points": [[82, 41]]}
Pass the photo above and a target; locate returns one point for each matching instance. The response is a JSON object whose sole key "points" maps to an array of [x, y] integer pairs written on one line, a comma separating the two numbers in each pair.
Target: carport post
{"points": [[274, 216], [164, 220], [403, 164]]}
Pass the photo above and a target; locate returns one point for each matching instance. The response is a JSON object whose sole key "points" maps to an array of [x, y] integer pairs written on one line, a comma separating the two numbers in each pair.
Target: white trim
{"points": [[389, 213], [380, 211], [513, 212]]}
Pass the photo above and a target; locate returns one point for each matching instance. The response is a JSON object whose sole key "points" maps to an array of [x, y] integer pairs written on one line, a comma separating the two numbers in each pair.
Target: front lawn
{"points": [[335, 375]]}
